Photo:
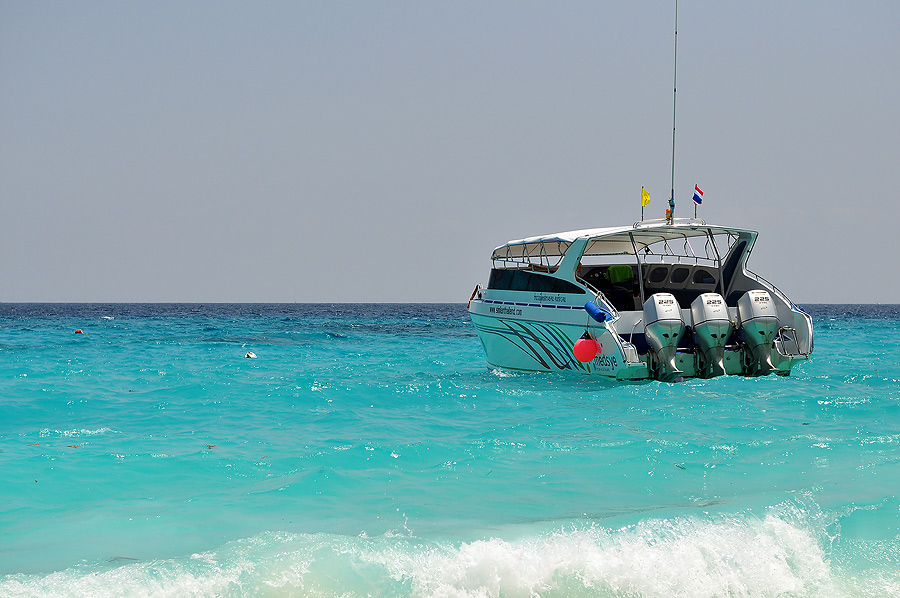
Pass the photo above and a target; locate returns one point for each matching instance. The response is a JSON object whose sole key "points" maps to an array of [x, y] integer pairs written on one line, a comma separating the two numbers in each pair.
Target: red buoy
{"points": [[79, 331], [585, 348]]}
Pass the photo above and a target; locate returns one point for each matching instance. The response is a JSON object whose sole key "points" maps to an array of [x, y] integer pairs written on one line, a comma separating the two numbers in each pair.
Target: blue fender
{"points": [[596, 312]]}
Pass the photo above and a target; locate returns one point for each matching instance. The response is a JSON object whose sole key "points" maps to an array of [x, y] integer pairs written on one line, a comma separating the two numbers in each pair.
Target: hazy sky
{"points": [[378, 151]]}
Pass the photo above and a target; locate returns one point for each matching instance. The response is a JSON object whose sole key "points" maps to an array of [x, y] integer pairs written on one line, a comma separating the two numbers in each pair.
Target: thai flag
{"points": [[698, 195]]}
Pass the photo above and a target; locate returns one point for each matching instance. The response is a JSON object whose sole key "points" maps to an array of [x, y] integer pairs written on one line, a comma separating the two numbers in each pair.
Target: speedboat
{"points": [[662, 299]]}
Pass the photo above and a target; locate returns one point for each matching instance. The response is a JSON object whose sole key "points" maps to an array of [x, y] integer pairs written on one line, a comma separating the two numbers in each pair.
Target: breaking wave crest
{"points": [[778, 554]]}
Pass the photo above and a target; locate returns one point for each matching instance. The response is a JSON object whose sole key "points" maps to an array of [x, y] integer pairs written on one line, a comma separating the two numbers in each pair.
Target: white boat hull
{"points": [[544, 342], [541, 339]]}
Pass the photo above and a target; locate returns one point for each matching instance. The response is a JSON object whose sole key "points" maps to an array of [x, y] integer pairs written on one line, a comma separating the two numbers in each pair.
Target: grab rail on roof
{"points": [[658, 221]]}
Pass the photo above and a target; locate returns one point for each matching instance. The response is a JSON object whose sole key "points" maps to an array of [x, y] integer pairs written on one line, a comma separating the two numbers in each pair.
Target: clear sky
{"points": [[378, 151]]}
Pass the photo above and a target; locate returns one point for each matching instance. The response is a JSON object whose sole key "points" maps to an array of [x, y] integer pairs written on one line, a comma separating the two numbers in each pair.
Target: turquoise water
{"points": [[368, 451]]}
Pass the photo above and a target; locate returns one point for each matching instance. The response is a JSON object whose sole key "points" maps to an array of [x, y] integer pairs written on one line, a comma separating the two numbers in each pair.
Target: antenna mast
{"points": [[674, 91]]}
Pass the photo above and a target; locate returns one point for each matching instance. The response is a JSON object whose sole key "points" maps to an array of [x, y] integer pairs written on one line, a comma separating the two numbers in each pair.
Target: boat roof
{"points": [[614, 239]]}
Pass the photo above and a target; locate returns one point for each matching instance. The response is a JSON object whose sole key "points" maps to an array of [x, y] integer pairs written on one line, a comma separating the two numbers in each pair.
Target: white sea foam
{"points": [[680, 557], [660, 558], [75, 433]]}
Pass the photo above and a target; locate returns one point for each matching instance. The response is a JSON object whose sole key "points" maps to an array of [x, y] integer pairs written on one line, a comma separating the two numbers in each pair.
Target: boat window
{"points": [[563, 286], [680, 275], [519, 280], [703, 277], [525, 280], [499, 279], [540, 284], [658, 274]]}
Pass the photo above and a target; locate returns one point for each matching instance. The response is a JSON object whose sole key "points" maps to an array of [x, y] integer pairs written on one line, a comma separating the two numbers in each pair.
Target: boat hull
{"points": [[544, 342], [541, 339]]}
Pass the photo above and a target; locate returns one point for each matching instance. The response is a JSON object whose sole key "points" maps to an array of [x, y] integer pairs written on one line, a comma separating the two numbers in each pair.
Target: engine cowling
{"points": [[759, 323], [663, 328], [712, 326]]}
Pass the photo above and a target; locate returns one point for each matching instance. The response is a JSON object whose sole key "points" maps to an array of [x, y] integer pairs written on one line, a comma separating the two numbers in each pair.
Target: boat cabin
{"points": [[629, 264]]}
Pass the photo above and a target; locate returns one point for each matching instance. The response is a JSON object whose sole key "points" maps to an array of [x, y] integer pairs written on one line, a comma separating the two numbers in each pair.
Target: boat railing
{"points": [[658, 221], [656, 259], [788, 334], [510, 264], [598, 296], [781, 294]]}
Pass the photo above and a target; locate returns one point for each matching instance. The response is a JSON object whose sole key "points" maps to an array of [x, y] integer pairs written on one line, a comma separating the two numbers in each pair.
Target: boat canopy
{"points": [[648, 238]]}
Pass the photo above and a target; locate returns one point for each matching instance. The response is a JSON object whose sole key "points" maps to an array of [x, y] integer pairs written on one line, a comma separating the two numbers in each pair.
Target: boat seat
{"points": [[620, 273], [622, 299], [621, 291]]}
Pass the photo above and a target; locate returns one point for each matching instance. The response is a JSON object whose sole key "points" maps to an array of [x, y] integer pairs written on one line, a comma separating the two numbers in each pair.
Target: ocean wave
{"points": [[76, 433], [736, 555]]}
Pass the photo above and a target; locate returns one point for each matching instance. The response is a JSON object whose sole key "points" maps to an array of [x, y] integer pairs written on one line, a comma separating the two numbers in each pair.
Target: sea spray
{"points": [[776, 554]]}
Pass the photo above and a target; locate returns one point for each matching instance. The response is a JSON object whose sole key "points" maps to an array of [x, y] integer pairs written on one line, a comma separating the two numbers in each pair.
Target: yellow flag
{"points": [[645, 197]]}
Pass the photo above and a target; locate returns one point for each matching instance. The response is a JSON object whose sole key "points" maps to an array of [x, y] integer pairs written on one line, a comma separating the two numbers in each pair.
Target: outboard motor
{"points": [[663, 328], [712, 325], [759, 322]]}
